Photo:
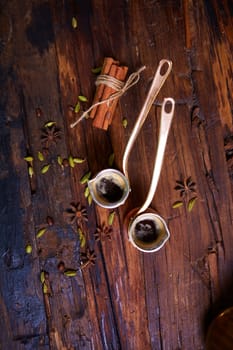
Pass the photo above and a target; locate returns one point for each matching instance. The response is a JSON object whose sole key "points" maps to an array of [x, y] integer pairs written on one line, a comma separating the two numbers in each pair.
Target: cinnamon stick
{"points": [[121, 73], [108, 61], [103, 108]]}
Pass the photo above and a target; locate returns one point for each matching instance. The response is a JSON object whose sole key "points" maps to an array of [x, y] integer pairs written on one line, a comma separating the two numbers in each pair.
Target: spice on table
{"points": [[74, 22], [111, 85], [99, 91], [77, 107], [191, 203], [65, 163], [40, 156], [45, 168], [86, 192], [59, 160], [49, 124], [120, 75], [177, 204], [96, 70], [70, 273], [124, 123], [78, 160], [50, 221], [71, 161], [103, 114], [82, 98], [28, 249], [111, 218], [82, 238], [38, 112], [41, 232], [85, 178], [89, 199], [28, 159], [30, 171]]}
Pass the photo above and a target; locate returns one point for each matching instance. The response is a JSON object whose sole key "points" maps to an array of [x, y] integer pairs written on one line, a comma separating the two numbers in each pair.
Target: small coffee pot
{"points": [[148, 231]]}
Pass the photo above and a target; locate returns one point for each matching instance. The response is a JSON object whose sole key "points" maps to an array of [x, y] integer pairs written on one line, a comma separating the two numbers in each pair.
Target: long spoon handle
{"points": [[158, 81], [165, 124]]}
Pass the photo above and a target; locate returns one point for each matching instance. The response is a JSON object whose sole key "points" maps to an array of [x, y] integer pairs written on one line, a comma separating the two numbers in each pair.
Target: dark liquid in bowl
{"points": [[146, 231], [109, 190]]}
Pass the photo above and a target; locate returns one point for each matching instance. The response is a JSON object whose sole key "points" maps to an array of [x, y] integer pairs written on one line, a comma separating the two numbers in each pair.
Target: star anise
{"points": [[76, 213], [88, 258], [50, 136], [102, 233], [185, 187]]}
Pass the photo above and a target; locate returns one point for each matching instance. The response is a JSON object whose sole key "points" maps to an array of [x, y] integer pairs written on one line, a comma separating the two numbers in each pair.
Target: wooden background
{"points": [[126, 299]]}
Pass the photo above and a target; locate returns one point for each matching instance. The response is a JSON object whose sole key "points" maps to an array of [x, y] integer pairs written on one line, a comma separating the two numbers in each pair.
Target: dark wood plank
{"points": [[22, 308]]}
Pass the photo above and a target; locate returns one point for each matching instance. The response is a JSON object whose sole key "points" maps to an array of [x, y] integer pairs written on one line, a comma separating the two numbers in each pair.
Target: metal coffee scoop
{"points": [[147, 230], [110, 188]]}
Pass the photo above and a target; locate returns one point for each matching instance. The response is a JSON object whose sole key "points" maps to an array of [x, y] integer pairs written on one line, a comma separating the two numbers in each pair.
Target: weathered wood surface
{"points": [[127, 299]]}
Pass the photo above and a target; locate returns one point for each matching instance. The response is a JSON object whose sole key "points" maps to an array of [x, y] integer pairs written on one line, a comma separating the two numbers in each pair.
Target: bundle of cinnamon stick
{"points": [[102, 114]]}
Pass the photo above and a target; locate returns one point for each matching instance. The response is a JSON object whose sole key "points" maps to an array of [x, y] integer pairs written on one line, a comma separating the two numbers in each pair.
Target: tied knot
{"points": [[119, 86], [109, 81]]}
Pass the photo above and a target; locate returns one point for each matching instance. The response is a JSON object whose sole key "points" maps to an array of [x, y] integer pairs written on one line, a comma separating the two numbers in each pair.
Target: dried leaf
{"points": [[41, 232], [30, 171], [89, 199], [74, 22], [77, 107], [96, 70], [45, 169], [70, 273], [111, 218], [28, 249], [82, 238], [86, 192], [40, 156], [42, 277], [49, 124], [59, 160], [191, 203], [28, 159], [45, 288], [78, 160], [111, 159], [177, 204], [124, 123], [71, 161], [82, 98], [85, 178]]}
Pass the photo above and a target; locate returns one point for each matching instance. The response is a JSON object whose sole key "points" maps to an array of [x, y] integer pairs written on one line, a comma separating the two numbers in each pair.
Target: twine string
{"points": [[109, 81], [115, 84]]}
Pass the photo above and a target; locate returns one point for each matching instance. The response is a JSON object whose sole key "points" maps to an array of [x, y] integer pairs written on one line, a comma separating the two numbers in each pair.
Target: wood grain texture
{"points": [[124, 299]]}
